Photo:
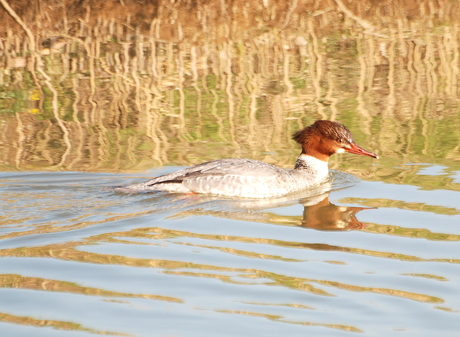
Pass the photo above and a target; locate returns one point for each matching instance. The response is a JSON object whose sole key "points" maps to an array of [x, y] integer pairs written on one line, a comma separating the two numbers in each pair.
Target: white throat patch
{"points": [[318, 166]]}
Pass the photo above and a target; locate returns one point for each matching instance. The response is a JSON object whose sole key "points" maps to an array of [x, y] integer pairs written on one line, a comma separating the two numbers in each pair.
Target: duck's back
{"points": [[229, 177]]}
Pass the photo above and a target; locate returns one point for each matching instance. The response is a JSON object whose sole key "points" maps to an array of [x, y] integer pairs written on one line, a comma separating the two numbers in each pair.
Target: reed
{"points": [[122, 87]]}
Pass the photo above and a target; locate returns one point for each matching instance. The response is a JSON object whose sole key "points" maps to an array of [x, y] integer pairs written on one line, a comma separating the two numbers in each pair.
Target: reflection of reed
{"points": [[70, 252], [35, 283], [122, 96], [281, 320], [89, 233], [59, 325]]}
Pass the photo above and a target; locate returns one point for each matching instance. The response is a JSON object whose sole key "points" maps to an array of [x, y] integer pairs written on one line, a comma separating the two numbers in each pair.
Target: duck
{"points": [[248, 178]]}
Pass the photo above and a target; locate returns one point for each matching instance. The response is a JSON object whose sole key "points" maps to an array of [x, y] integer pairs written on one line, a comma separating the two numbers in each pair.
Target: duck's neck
{"points": [[311, 164]]}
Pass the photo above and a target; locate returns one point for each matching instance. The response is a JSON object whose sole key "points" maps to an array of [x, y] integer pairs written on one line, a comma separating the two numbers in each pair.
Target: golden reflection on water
{"points": [[80, 251], [413, 206], [35, 283], [69, 251], [132, 86], [59, 325], [280, 319], [112, 94]]}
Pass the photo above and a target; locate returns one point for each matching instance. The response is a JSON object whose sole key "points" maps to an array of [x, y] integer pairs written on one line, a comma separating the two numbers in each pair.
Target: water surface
{"points": [[111, 95]]}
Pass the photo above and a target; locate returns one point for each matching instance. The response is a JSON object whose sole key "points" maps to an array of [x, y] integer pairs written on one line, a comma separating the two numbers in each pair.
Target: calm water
{"points": [[98, 101], [78, 260]]}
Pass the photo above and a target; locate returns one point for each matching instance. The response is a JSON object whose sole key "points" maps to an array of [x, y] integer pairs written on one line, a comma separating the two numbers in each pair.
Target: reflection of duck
{"points": [[256, 179], [320, 214]]}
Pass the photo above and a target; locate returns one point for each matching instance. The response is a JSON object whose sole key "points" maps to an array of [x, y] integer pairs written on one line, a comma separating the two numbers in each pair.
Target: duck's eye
{"points": [[340, 140]]}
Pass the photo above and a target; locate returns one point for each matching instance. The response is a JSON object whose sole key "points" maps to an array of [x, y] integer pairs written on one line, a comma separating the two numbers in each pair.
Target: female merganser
{"points": [[255, 179]]}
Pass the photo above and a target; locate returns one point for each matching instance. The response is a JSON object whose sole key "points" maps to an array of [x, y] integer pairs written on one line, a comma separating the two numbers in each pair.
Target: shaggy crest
{"points": [[327, 129]]}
